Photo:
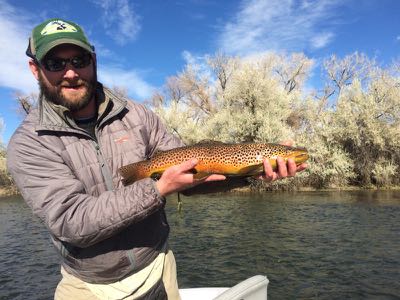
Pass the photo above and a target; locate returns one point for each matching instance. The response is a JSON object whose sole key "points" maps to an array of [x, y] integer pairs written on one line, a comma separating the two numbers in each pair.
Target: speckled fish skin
{"points": [[244, 159]]}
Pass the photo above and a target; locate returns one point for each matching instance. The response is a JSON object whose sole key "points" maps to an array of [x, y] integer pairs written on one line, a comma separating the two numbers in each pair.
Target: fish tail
{"points": [[133, 172]]}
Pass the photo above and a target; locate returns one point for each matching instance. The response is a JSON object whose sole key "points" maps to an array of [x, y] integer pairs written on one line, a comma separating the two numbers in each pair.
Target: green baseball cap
{"points": [[54, 32]]}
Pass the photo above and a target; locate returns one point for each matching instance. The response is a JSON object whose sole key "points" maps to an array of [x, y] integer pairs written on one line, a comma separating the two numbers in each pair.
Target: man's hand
{"points": [[288, 169], [178, 178]]}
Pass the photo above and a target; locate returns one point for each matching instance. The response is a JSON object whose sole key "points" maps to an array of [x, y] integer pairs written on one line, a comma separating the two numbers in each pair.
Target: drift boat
{"points": [[253, 288]]}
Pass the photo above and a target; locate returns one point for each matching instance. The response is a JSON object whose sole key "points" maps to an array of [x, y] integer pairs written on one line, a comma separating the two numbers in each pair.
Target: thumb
{"points": [[287, 143], [188, 165]]}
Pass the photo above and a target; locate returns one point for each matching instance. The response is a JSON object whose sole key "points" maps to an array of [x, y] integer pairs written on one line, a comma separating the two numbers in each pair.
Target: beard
{"points": [[55, 93]]}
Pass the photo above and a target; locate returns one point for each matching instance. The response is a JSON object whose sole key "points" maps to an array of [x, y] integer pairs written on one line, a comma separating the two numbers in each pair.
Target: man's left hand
{"points": [[284, 169]]}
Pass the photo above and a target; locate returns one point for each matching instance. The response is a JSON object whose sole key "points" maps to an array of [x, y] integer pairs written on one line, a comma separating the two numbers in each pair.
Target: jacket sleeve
{"points": [[59, 199]]}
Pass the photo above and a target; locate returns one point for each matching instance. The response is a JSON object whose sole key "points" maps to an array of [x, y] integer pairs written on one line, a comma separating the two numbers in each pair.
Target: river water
{"points": [[310, 245]]}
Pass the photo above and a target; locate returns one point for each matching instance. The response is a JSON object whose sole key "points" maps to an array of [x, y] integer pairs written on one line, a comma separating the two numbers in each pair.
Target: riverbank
{"points": [[12, 190], [252, 189], [8, 191]]}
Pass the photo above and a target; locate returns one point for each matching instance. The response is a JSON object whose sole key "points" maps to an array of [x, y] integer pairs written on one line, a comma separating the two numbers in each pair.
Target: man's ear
{"points": [[94, 61], [34, 68]]}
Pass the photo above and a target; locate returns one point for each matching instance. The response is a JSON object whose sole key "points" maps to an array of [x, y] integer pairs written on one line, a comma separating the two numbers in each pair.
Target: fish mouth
{"points": [[301, 157]]}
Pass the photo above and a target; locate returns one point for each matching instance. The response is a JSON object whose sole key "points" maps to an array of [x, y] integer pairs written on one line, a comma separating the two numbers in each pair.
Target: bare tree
{"points": [[26, 102], [293, 70], [120, 91], [223, 67], [197, 91], [342, 72], [174, 89]]}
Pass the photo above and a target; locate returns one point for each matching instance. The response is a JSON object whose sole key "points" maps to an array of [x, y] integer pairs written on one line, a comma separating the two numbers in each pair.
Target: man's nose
{"points": [[70, 72]]}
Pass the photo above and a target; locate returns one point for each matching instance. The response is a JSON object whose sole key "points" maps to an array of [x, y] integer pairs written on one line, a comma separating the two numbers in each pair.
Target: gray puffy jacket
{"points": [[103, 230]]}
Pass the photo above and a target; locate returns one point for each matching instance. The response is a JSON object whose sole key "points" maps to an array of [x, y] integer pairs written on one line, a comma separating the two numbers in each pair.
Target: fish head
{"points": [[299, 155]]}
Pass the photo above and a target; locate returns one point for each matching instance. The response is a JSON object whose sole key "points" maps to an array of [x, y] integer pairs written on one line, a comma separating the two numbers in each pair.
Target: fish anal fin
{"points": [[251, 170]]}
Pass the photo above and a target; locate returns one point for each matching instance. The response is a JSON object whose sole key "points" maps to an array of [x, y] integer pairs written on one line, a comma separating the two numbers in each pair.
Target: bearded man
{"points": [[65, 157]]}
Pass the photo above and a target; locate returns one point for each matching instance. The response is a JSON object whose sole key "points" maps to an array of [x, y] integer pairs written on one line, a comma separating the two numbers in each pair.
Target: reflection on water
{"points": [[29, 267], [310, 245]]}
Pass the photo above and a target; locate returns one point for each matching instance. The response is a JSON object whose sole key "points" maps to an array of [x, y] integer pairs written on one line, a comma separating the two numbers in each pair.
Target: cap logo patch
{"points": [[56, 27]]}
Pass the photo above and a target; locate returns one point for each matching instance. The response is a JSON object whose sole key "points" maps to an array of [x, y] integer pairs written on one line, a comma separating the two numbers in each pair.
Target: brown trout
{"points": [[244, 159]]}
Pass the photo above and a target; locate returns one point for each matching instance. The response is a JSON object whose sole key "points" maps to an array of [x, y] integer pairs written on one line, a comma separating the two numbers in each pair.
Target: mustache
{"points": [[72, 83]]}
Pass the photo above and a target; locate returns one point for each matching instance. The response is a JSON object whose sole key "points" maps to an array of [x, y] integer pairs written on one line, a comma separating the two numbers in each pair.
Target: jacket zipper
{"points": [[105, 170]]}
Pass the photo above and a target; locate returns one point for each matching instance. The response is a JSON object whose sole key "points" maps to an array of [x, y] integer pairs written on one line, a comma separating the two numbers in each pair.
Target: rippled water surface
{"points": [[310, 245]]}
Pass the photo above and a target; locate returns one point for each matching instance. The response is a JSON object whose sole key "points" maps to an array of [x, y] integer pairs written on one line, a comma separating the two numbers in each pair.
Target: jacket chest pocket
{"points": [[83, 161], [126, 146], [80, 155]]}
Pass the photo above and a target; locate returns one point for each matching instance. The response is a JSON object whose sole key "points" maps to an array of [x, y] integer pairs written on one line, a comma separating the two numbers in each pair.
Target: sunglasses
{"points": [[56, 64]]}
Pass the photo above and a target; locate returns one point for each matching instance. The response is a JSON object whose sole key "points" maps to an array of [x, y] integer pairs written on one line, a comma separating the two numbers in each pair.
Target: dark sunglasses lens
{"points": [[58, 64], [80, 61], [54, 64]]}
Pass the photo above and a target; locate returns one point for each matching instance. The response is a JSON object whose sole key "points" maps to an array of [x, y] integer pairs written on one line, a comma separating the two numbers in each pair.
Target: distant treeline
{"points": [[5, 178], [351, 125]]}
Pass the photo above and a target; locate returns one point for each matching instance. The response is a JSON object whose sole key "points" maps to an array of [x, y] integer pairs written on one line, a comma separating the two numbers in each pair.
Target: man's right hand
{"points": [[180, 177]]}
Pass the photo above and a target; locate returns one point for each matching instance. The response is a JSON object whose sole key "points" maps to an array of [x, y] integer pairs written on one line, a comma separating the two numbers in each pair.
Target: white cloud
{"points": [[15, 29], [120, 20], [114, 76], [198, 63], [190, 58], [14, 33], [262, 25], [321, 40]]}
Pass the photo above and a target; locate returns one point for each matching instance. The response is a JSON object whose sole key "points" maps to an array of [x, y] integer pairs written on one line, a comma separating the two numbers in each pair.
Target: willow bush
{"points": [[351, 129], [5, 178]]}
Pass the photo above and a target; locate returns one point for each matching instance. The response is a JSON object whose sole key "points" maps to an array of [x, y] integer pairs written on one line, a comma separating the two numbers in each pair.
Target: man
{"points": [[64, 159]]}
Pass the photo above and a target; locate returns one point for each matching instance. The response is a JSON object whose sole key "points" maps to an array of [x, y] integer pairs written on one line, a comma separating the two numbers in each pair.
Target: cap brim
{"points": [[42, 53]]}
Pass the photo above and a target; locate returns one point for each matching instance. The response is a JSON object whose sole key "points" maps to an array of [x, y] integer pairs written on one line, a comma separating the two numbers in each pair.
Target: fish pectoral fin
{"points": [[156, 175], [200, 175], [196, 175], [251, 170]]}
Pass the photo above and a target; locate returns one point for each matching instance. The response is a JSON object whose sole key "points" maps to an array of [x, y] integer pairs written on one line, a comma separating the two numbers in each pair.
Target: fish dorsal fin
{"points": [[209, 142], [157, 153]]}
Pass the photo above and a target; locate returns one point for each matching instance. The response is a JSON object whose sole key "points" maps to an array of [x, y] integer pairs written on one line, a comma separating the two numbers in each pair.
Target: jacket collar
{"points": [[57, 117]]}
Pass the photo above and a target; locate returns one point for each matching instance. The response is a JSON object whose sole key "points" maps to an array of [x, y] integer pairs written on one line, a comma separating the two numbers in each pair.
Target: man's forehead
{"points": [[65, 50]]}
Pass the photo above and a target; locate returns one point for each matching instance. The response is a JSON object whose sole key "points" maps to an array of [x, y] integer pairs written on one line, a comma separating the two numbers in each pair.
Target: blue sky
{"points": [[141, 43]]}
